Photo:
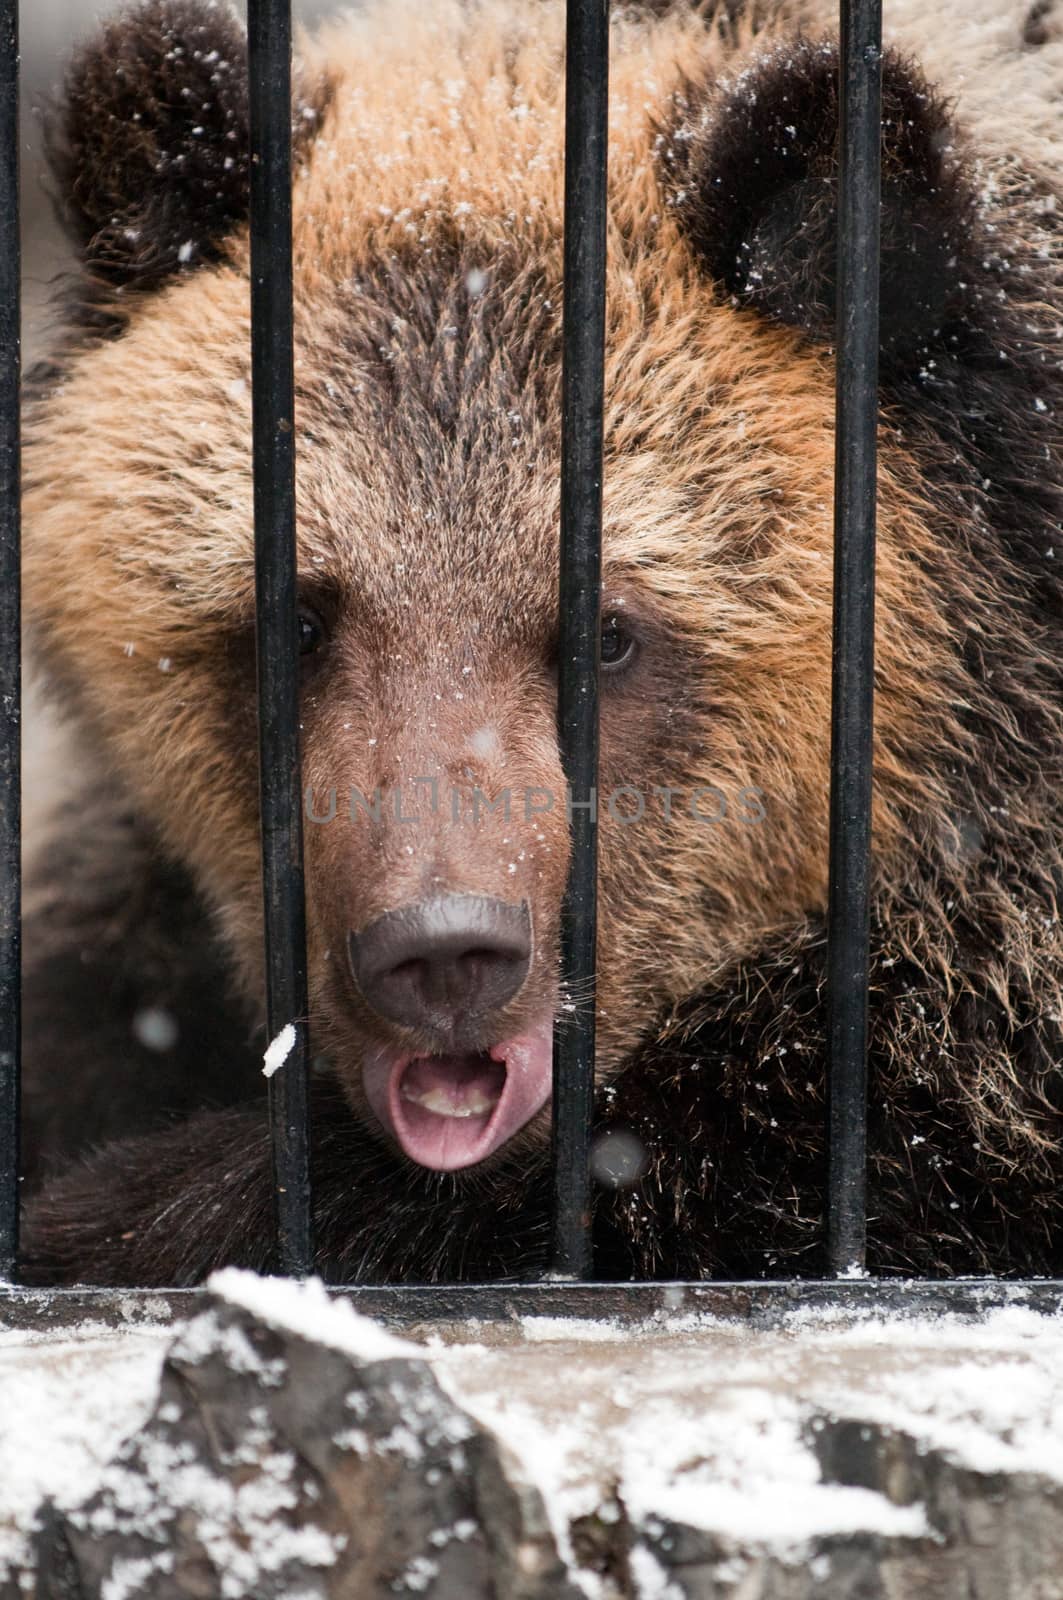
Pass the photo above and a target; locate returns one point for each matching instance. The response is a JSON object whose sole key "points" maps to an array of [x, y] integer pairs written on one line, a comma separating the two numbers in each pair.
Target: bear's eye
{"points": [[311, 631], [618, 645]]}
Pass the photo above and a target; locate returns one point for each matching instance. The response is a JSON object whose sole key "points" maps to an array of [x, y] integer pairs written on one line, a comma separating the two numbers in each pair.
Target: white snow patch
{"points": [[206, 1336], [651, 1580], [741, 1469], [745, 1471], [278, 1050], [708, 1423], [131, 1575], [545, 1330], [240, 1525], [987, 1394], [306, 1309], [68, 1400]]}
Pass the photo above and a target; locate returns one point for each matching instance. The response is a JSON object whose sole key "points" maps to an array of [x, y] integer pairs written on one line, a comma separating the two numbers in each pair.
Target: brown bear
{"points": [[427, 251]]}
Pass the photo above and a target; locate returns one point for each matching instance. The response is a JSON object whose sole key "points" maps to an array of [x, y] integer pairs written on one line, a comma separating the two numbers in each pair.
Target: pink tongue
{"points": [[448, 1112]]}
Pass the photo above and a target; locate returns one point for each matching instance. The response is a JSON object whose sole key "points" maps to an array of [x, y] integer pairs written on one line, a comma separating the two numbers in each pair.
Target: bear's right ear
{"points": [[750, 166], [149, 146]]}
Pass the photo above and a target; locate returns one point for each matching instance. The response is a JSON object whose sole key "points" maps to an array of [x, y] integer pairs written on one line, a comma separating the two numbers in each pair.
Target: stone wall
{"points": [[276, 1444]]}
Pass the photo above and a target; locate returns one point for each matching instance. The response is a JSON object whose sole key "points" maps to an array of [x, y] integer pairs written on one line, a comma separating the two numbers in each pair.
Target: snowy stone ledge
{"points": [[277, 1444]]}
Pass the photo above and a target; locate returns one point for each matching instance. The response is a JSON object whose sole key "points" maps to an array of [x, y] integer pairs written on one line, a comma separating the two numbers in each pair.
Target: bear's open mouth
{"points": [[452, 1086], [451, 1111]]}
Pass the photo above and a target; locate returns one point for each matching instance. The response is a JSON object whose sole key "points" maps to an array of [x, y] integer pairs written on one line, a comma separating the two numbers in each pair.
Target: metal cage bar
{"points": [[269, 43], [10, 625], [579, 634], [852, 703]]}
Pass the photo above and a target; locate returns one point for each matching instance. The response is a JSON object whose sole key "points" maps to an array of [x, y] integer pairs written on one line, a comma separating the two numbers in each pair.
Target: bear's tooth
{"points": [[439, 1102]]}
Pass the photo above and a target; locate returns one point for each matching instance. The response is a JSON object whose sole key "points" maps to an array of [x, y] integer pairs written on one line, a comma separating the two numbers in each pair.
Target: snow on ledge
{"points": [[685, 1418], [68, 1400], [708, 1423], [307, 1309]]}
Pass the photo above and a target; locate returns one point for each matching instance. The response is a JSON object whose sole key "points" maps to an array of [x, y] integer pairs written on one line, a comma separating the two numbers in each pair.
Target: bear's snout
{"points": [[448, 965], [447, 968]]}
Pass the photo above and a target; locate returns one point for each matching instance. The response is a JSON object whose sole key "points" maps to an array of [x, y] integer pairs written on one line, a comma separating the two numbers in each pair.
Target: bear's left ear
{"points": [[149, 147], [751, 169]]}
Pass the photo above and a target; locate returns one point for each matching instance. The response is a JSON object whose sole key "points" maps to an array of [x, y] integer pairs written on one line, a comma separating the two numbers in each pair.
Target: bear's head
{"points": [[427, 251]]}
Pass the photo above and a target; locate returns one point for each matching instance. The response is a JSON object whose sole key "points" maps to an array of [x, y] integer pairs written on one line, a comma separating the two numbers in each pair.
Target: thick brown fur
{"points": [[127, 988], [150, 152], [719, 1161], [428, 266]]}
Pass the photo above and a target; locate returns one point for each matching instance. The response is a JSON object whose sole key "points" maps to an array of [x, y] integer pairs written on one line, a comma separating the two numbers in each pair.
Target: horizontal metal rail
{"points": [[758, 1304]]}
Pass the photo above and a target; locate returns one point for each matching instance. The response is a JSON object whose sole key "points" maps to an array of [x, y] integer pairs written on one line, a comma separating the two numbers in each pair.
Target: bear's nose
{"points": [[442, 963]]}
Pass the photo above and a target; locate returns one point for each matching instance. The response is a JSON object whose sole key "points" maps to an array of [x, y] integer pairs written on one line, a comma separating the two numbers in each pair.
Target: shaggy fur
{"points": [[150, 153], [428, 267], [724, 1178], [125, 989], [752, 164]]}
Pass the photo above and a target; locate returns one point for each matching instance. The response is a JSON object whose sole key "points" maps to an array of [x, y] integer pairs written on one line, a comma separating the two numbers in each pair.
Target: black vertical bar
{"points": [[269, 27], [860, 136], [586, 142], [10, 622]]}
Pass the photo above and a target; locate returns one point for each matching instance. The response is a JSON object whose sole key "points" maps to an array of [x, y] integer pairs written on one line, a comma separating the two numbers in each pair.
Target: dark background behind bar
{"points": [[10, 644], [854, 624], [269, 52], [579, 640]]}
